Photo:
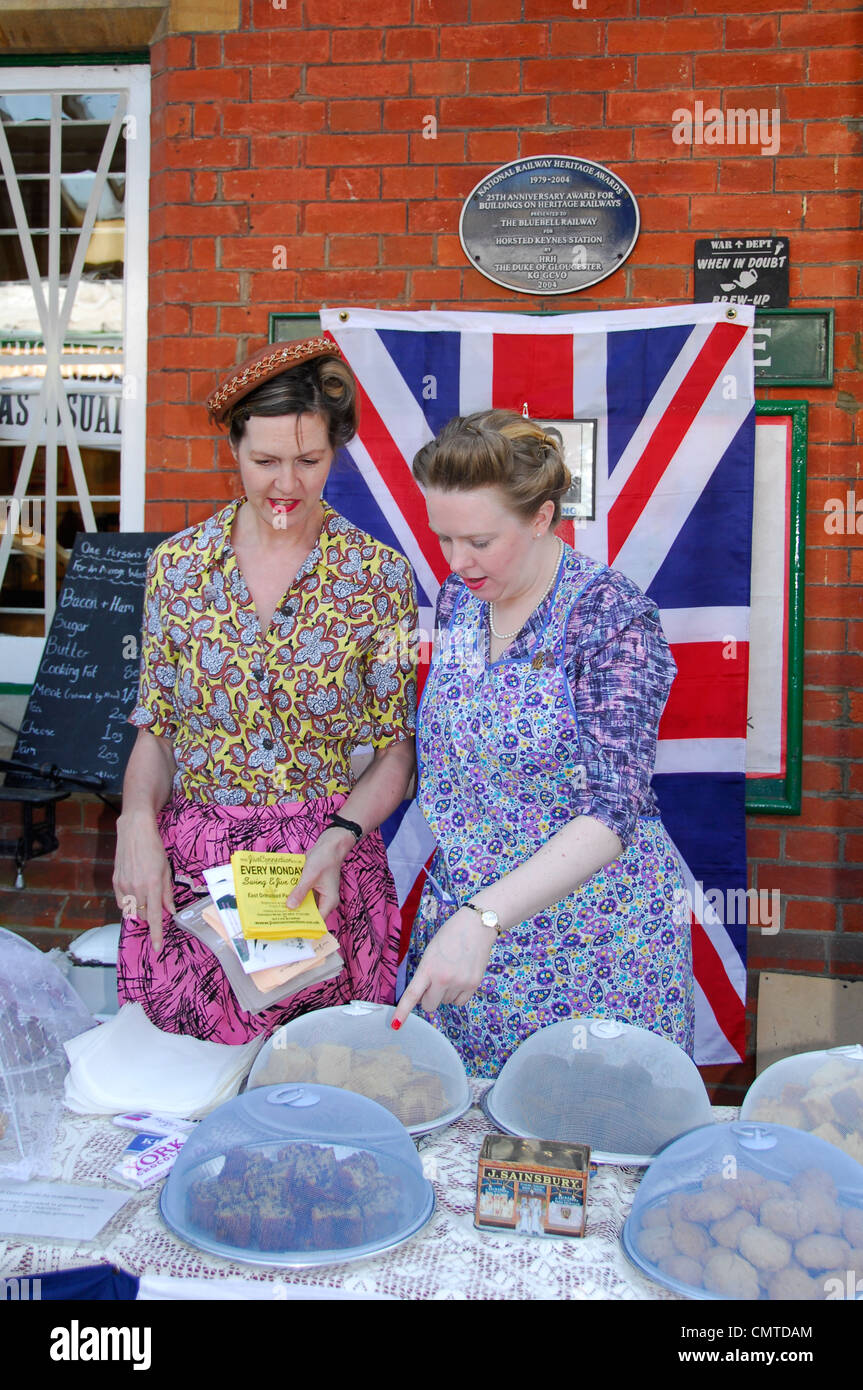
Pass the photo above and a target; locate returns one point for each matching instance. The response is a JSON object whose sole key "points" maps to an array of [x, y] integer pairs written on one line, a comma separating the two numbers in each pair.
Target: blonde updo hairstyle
{"points": [[497, 448], [325, 386]]}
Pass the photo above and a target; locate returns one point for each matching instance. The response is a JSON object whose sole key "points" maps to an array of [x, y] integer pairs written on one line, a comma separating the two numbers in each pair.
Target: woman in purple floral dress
{"points": [[555, 891], [268, 656]]}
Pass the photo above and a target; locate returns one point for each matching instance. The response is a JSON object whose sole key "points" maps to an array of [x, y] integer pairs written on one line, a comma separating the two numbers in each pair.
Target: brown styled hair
{"points": [[325, 386], [497, 448]]}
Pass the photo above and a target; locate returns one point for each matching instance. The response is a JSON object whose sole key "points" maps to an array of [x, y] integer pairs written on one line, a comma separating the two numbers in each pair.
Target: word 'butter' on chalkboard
{"points": [[87, 682]]}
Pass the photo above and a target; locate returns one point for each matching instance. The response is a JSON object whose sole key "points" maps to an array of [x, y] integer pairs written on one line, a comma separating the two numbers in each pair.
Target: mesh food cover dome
{"points": [[749, 1211], [297, 1176], [418, 1075], [820, 1092], [39, 1011], [618, 1088]]}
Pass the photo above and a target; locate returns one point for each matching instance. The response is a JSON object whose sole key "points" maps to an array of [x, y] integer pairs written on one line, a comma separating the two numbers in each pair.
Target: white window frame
{"points": [[20, 656]]}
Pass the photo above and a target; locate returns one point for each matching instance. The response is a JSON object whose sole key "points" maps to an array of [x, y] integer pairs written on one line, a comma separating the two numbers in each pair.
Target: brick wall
{"points": [[303, 130]]}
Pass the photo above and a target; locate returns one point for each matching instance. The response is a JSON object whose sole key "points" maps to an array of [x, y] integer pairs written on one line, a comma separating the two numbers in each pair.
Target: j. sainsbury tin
{"points": [[532, 1186]]}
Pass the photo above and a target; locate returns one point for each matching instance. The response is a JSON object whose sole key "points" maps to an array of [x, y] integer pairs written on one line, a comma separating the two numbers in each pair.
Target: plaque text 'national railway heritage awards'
{"points": [[549, 225]]}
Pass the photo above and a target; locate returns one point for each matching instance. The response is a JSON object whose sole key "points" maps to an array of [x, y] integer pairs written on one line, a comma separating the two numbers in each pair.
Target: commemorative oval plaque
{"points": [[549, 225]]}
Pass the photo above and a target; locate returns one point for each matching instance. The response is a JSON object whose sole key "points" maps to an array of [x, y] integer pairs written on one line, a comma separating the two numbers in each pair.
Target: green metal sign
{"points": [[794, 347]]}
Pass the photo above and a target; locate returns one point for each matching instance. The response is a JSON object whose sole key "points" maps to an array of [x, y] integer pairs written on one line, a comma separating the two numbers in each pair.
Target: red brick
{"points": [[674, 175], [855, 784], [802, 915], [353, 250], [756, 214], [833, 210], [456, 181], [259, 253], [488, 113], [813, 881], [827, 247], [662, 71], [445, 149], [28, 909], [205, 187], [412, 44], [353, 115], [407, 115], [166, 516], [180, 487], [494, 77], [357, 46], [172, 122], [752, 32], [831, 813], [208, 121], [208, 51], [438, 79], [348, 80], [221, 84], [273, 218], [761, 844], [189, 288], [198, 154], [852, 917], [640, 108], [166, 319], [834, 602], [498, 11], [580, 110], [428, 286], [583, 74], [494, 41], [171, 53], [259, 117], [169, 186], [827, 741], [355, 185], [856, 570], [822, 706], [820, 102], [667, 36], [836, 65], [274, 47], [854, 848], [441, 11], [817, 30], [409, 250], [819, 173], [576, 36], [836, 282], [661, 285], [346, 285], [264, 185], [360, 150], [413, 183], [432, 216], [746, 175], [819, 776], [811, 846], [757, 68], [376, 218], [449, 251], [855, 706], [493, 147]]}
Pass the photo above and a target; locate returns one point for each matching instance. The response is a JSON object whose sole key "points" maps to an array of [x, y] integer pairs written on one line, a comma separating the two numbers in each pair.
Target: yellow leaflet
{"points": [[262, 883]]}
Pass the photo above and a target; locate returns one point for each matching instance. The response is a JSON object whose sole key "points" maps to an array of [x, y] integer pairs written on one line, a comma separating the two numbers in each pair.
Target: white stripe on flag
{"points": [[704, 624], [705, 913], [700, 755], [402, 532], [476, 368], [409, 848], [484, 321]]}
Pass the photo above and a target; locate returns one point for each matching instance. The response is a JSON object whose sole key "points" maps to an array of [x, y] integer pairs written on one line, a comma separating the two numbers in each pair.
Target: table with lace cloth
{"points": [[448, 1259]]}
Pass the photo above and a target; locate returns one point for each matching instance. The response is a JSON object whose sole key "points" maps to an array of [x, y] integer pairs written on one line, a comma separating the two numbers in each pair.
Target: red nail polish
{"points": [[395, 1024]]}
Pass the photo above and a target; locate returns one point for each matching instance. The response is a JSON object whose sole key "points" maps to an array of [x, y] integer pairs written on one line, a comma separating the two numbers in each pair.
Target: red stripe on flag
{"points": [[409, 910], [536, 369], [395, 471], [728, 1009], [669, 433], [708, 697]]}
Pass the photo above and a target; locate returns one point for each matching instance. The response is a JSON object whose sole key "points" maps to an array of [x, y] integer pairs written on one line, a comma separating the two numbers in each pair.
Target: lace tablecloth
{"points": [[448, 1259]]}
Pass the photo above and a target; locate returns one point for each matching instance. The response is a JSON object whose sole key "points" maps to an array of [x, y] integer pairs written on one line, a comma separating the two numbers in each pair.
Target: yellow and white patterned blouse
{"points": [[258, 718]]}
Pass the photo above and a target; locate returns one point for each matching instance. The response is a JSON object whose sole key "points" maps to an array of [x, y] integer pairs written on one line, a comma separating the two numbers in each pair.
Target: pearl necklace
{"points": [[504, 636]]}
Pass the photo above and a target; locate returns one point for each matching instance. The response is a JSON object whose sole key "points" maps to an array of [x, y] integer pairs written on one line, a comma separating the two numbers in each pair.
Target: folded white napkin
{"points": [[99, 946], [130, 1064]]}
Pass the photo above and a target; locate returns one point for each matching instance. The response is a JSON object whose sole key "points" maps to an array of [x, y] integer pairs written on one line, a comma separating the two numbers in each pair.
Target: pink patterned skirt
{"points": [[185, 990]]}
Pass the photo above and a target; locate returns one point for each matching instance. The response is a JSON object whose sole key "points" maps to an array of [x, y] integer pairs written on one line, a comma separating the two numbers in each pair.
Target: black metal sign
{"points": [[742, 270], [549, 225]]}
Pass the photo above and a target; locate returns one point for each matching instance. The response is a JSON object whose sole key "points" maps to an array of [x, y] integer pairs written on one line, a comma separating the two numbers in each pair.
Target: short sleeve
{"points": [[620, 674], [390, 673], [155, 708]]}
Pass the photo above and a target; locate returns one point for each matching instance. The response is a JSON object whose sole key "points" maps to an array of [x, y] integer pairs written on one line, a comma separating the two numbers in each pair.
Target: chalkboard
{"points": [[87, 681]]}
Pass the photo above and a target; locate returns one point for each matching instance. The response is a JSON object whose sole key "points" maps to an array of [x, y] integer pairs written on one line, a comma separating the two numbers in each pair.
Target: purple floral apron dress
{"points": [[500, 763]]}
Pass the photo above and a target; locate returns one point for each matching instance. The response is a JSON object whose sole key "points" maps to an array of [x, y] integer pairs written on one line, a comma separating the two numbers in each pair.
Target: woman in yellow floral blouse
{"points": [[268, 656]]}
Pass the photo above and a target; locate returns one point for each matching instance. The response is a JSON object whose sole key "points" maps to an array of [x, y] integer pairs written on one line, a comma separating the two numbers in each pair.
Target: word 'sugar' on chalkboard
{"points": [[87, 682]]}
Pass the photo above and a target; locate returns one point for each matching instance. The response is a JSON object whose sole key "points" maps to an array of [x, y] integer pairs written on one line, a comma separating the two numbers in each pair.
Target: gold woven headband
{"points": [[266, 363]]}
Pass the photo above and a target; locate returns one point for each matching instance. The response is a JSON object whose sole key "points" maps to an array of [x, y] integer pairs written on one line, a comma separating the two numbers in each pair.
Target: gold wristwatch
{"points": [[488, 917]]}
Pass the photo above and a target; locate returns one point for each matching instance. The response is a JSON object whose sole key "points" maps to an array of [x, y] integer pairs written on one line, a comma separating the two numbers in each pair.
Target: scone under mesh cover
{"points": [[818, 1092], [416, 1074], [749, 1211], [618, 1088]]}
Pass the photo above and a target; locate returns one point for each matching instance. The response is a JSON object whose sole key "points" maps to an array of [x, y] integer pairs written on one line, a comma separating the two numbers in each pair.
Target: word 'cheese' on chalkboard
{"points": [[87, 682]]}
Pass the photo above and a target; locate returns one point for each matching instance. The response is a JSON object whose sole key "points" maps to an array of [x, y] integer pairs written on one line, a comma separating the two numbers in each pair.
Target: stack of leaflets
{"points": [[249, 897]]}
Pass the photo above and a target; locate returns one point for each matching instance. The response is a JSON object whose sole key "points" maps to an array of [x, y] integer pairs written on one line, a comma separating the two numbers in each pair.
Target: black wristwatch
{"points": [[343, 824]]}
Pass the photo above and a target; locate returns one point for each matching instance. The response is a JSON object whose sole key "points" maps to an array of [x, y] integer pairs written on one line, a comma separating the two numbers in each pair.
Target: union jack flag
{"points": [[672, 394]]}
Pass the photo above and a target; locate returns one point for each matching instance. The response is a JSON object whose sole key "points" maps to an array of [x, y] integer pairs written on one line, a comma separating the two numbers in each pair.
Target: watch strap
{"points": [[342, 824]]}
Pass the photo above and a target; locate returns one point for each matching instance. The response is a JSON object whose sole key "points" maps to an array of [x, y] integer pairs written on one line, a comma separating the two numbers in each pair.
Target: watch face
{"points": [[489, 919]]}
